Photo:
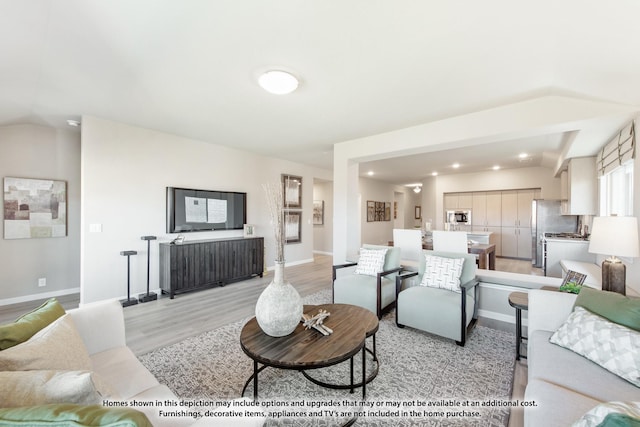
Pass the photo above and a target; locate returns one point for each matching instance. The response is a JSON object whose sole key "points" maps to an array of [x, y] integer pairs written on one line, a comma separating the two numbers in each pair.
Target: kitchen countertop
{"points": [[565, 240], [469, 233]]}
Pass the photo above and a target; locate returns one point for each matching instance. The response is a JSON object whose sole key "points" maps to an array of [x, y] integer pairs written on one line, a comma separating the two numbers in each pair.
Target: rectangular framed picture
{"points": [[292, 191], [292, 227], [34, 208], [318, 212], [418, 212], [371, 211]]}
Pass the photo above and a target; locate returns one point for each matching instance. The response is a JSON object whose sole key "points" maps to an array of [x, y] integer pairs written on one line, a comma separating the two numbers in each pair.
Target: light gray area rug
{"points": [[435, 382]]}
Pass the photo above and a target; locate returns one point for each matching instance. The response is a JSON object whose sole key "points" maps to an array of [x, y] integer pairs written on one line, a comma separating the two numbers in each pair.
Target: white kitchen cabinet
{"points": [[486, 209], [516, 223], [458, 201], [581, 187], [465, 201], [479, 210], [516, 242], [494, 209]]}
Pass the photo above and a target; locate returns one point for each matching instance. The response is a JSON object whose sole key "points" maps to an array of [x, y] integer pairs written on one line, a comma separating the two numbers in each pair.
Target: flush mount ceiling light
{"points": [[278, 82], [417, 189], [73, 123]]}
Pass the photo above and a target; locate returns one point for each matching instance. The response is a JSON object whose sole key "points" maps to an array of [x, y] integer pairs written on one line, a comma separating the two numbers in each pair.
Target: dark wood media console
{"points": [[201, 264]]}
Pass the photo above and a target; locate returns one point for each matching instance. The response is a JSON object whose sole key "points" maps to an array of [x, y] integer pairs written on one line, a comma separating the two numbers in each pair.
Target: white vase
{"points": [[279, 307]]}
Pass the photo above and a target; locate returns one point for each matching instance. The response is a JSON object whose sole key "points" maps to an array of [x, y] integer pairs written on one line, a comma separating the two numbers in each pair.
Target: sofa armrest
{"points": [[548, 309], [101, 325]]}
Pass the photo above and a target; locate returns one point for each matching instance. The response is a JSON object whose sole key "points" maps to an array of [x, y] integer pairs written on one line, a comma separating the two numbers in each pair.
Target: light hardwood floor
{"points": [[166, 321]]}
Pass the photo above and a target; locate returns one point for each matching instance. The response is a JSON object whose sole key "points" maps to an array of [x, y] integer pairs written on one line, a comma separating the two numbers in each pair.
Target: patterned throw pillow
{"points": [[612, 346], [442, 272], [606, 414], [371, 261]]}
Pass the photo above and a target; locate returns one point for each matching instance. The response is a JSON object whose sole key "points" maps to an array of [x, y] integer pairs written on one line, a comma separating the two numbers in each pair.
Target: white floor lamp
{"points": [[614, 236]]}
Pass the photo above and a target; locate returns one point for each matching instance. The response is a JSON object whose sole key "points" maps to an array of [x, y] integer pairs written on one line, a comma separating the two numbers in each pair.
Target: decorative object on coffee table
{"points": [[615, 236], [279, 307], [130, 300], [572, 282]]}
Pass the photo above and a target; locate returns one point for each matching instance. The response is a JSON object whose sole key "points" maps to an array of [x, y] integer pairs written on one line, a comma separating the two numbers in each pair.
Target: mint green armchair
{"points": [[439, 311], [376, 292]]}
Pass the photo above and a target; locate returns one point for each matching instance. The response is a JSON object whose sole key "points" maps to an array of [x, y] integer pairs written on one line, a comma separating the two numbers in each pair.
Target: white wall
{"points": [[125, 171], [381, 232], [323, 234], [28, 151]]}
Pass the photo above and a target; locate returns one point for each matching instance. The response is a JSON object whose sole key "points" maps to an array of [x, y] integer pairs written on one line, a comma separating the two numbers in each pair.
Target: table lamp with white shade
{"points": [[614, 236]]}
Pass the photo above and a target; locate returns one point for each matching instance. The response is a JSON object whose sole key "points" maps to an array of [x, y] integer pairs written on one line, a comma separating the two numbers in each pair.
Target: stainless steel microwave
{"points": [[459, 217]]}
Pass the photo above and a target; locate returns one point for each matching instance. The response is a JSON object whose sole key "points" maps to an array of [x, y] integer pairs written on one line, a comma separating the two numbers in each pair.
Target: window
{"points": [[616, 191]]}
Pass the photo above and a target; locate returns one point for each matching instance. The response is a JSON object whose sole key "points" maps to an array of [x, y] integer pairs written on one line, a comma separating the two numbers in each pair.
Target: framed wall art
{"points": [[292, 227], [34, 208], [378, 211], [318, 212], [292, 191]]}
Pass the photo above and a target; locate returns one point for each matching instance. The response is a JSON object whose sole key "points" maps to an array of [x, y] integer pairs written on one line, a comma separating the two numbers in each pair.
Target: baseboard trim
{"points": [[291, 264], [35, 297], [323, 253], [493, 315]]}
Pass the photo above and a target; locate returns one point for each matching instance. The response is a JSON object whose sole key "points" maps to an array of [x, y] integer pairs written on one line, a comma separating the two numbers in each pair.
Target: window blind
{"points": [[618, 150]]}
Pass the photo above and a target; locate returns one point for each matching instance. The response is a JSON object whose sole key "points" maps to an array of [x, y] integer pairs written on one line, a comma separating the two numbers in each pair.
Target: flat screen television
{"points": [[205, 210]]}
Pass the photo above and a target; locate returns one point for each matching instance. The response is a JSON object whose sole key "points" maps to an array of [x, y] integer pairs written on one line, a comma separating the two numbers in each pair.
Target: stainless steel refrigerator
{"points": [[546, 218]]}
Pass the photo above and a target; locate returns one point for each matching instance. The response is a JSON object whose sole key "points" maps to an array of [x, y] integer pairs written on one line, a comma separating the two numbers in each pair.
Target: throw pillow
{"points": [[30, 388], [66, 415], [371, 261], [612, 346], [442, 272], [58, 346], [611, 305], [28, 324], [611, 414]]}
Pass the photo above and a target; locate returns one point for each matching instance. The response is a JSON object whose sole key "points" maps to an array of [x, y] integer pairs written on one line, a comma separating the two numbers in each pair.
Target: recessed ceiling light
{"points": [[523, 155], [434, 173], [278, 82], [496, 167], [74, 123], [455, 165], [370, 173]]}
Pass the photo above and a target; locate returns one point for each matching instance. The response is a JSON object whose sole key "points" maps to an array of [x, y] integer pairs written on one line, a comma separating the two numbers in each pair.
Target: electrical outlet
{"points": [[42, 282]]}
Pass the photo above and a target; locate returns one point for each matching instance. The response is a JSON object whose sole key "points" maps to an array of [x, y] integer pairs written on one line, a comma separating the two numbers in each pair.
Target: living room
{"points": [[117, 163]]}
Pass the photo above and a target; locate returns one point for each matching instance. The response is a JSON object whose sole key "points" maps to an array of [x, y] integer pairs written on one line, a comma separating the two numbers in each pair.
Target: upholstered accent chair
{"points": [[437, 302], [369, 283]]}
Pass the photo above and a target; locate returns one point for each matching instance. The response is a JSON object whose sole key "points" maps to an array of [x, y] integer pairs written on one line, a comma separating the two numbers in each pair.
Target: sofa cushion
{"points": [[555, 405], [442, 272], [123, 371], [28, 324], [29, 388], [57, 346], [611, 414], [555, 364], [371, 261], [608, 344], [66, 415], [616, 307]]}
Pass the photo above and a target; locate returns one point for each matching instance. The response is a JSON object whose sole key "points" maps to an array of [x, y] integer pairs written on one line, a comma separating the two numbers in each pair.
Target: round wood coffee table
{"points": [[307, 349]]}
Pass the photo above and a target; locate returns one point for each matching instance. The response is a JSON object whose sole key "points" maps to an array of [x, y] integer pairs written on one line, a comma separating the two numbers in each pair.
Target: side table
{"points": [[519, 301]]}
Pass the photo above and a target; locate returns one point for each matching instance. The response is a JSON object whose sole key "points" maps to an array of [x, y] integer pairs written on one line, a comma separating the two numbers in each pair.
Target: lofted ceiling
{"points": [[365, 67]]}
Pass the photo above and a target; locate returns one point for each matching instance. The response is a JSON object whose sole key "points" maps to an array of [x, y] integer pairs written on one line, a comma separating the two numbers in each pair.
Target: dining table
{"points": [[486, 253]]}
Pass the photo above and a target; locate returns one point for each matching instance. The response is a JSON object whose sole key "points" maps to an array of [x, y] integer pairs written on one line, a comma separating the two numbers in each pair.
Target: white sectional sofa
{"points": [[563, 384], [120, 375]]}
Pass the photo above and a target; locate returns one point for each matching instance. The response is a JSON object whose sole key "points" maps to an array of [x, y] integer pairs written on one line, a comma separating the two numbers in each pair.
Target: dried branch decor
{"points": [[273, 193]]}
